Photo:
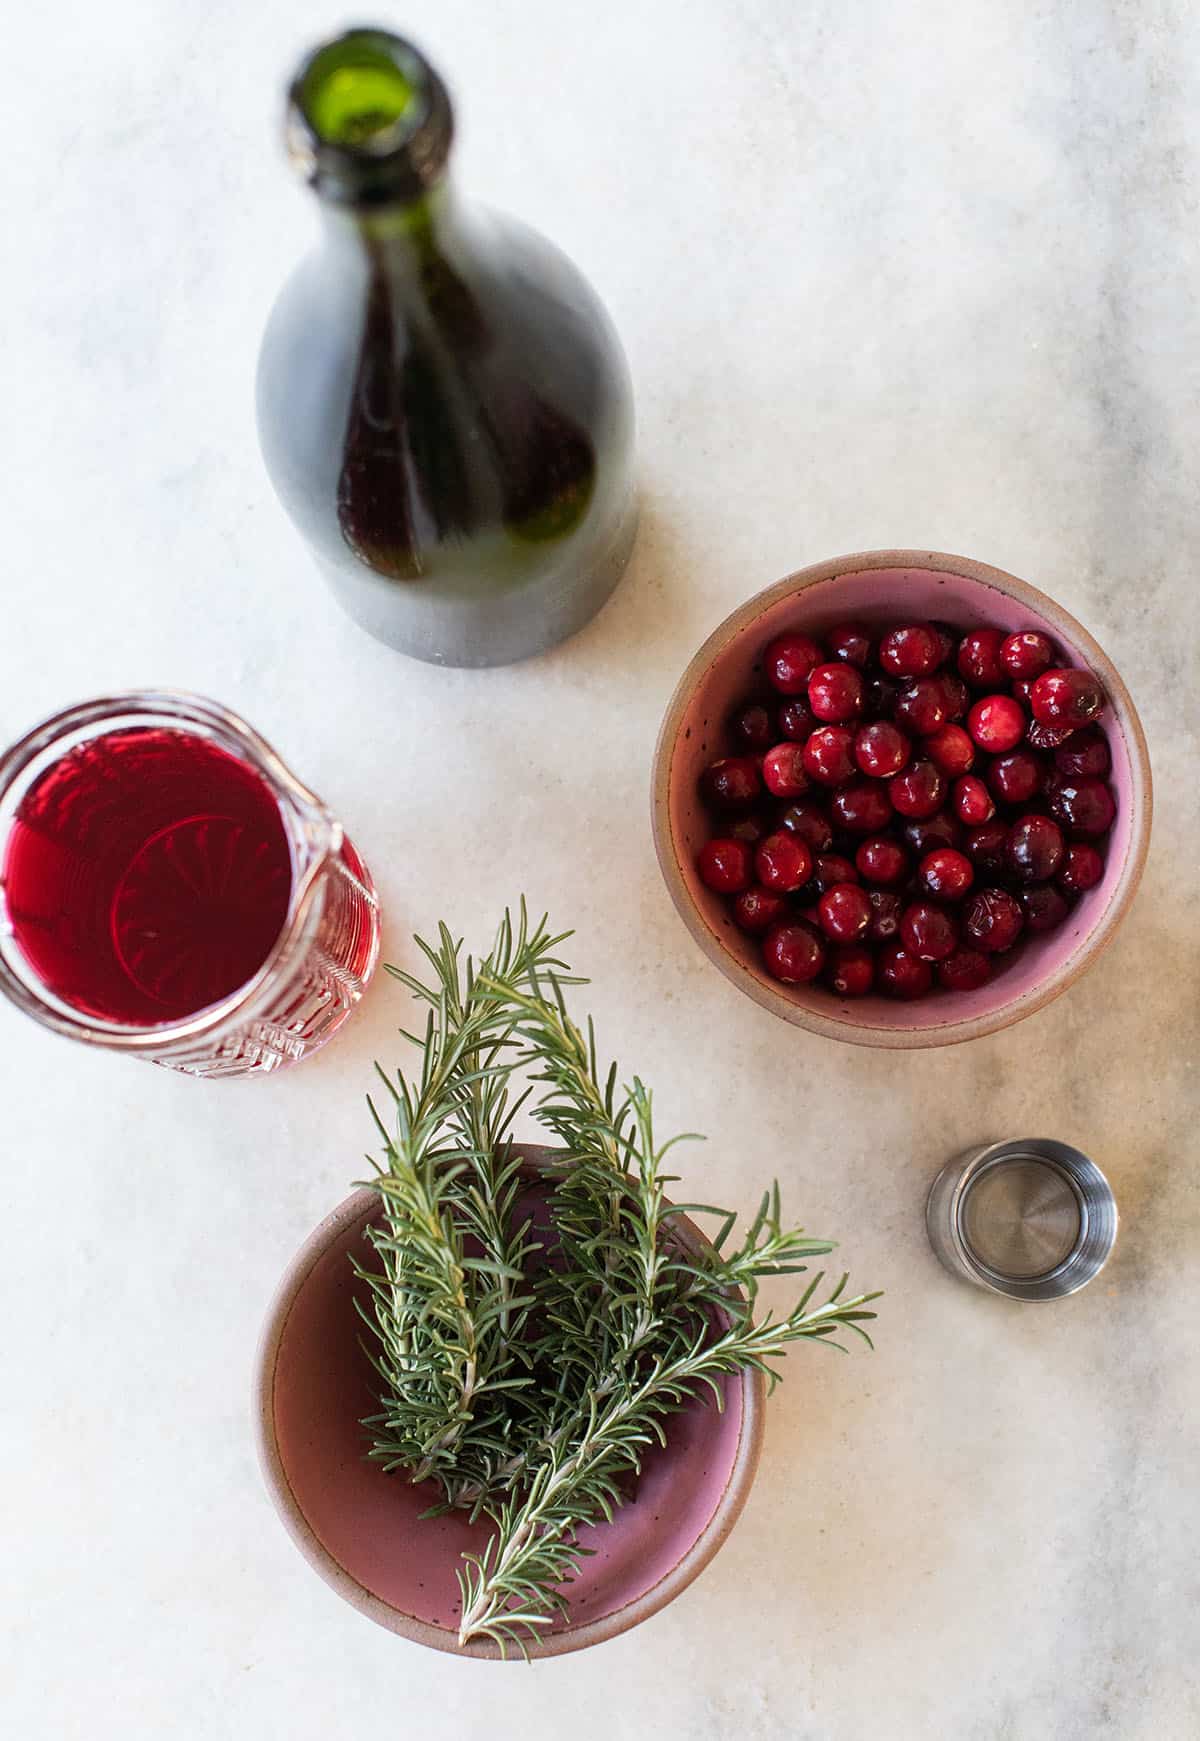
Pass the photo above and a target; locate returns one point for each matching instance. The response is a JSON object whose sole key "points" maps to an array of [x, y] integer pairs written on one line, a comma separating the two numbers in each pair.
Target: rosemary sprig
{"points": [[528, 1376]]}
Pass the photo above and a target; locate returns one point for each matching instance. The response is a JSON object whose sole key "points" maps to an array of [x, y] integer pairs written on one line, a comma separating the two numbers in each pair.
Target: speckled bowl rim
{"points": [[751, 1393], [947, 1033]]}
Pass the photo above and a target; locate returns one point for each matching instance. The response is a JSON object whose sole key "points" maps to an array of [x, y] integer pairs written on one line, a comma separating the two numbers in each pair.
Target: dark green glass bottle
{"points": [[443, 404]]}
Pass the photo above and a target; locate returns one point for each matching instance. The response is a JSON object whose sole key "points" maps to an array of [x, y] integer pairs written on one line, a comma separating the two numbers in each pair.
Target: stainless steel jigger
{"points": [[1032, 1219]]}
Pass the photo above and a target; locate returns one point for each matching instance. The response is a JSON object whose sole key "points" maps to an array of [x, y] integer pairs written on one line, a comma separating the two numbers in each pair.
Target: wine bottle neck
{"points": [[401, 238]]}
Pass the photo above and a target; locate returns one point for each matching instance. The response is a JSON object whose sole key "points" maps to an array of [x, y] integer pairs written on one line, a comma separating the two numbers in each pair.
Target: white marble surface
{"points": [[887, 275]]}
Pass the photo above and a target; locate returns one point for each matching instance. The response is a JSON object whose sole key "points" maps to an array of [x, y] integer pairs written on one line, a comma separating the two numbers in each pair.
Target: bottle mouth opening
{"points": [[369, 118]]}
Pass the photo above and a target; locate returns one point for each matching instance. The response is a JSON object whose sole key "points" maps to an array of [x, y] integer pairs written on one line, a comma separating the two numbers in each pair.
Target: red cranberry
{"points": [[1085, 752], [972, 800], [992, 920], [851, 970], [901, 974], [732, 783], [985, 847], [956, 697], [748, 828], [863, 808], [886, 909], [788, 661], [1046, 737], [947, 636], [724, 865], [880, 749], [947, 874], [918, 791], [1071, 698], [1026, 655], [1035, 848], [881, 697], [1081, 869], [933, 834], [1014, 778], [828, 755], [753, 729], [783, 771], [851, 642], [835, 693], [808, 821], [921, 706], [832, 868], [783, 862], [793, 952], [1085, 807], [881, 860], [928, 932], [965, 970], [845, 912], [912, 650], [1044, 907], [951, 749], [757, 909], [796, 721], [997, 723], [979, 659]]}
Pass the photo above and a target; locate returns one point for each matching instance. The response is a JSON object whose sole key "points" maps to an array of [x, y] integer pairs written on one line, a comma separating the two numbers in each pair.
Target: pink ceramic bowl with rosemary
{"points": [[885, 587], [362, 1529]]}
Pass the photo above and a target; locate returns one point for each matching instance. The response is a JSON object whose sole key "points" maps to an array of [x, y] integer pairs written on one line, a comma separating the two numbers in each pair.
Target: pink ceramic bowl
{"points": [[362, 1530], [882, 586]]}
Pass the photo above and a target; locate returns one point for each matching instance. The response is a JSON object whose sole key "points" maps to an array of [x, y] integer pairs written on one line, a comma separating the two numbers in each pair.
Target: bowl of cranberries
{"points": [[902, 799]]}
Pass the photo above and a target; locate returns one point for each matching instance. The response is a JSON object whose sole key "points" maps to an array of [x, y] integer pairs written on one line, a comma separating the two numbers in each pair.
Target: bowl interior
{"points": [[362, 1529], [878, 596]]}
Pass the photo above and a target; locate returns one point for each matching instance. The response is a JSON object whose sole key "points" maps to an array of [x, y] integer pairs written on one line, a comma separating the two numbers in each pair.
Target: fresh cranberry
{"points": [[997, 723], [1085, 807], [1014, 778], [832, 868], [1035, 848], [1044, 907], [1081, 869], [928, 932], [985, 847], [783, 771], [934, 833], [901, 974], [1071, 698], [951, 749], [1026, 654], [880, 749], [972, 800], [881, 697], [881, 860], [1046, 737], [912, 650], [753, 729], [947, 874], [835, 693], [748, 828], [1085, 752], [851, 643], [863, 808], [979, 659], [793, 952], [808, 821], [919, 790], [783, 862], [732, 783], [947, 636], [851, 970], [965, 970], [724, 865], [788, 661], [921, 706], [796, 721], [992, 920], [828, 755], [757, 909], [886, 909], [845, 912], [956, 697], [1022, 688]]}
